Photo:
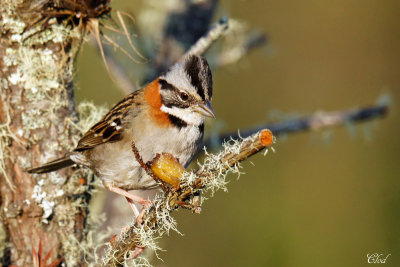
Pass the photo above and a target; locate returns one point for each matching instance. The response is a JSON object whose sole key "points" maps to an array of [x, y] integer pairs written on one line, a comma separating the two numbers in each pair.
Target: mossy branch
{"points": [[209, 177]]}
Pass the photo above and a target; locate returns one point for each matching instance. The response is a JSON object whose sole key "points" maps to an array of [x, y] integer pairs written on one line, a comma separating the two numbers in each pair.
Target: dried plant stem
{"points": [[120, 73], [117, 71], [215, 166], [145, 166]]}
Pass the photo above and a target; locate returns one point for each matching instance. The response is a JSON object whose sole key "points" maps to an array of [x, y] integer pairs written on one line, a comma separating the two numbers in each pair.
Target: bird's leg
{"points": [[137, 252], [126, 194], [133, 207], [131, 199]]}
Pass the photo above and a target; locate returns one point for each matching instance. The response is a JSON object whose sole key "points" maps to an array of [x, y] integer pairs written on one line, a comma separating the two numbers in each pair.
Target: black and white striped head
{"points": [[186, 91]]}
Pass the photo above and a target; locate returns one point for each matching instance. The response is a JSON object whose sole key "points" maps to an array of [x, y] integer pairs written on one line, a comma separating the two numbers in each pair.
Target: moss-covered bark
{"points": [[37, 115]]}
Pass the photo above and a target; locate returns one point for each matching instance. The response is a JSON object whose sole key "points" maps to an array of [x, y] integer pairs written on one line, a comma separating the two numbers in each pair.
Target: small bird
{"points": [[167, 115]]}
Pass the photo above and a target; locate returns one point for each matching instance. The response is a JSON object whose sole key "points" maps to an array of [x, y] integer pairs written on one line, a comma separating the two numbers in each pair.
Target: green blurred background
{"points": [[323, 199]]}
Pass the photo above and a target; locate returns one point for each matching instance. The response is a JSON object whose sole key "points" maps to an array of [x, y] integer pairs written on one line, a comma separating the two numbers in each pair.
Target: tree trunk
{"points": [[37, 115]]}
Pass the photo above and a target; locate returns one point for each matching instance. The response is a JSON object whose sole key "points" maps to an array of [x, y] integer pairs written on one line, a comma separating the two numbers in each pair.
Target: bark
{"points": [[37, 115]]}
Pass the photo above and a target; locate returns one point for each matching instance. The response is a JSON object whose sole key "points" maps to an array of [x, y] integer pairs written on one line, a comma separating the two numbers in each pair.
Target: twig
{"points": [[117, 71], [145, 166], [204, 43], [210, 176], [182, 28], [318, 121], [121, 76], [252, 41]]}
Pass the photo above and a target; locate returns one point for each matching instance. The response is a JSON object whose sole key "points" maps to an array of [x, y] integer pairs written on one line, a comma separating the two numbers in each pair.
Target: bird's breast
{"points": [[116, 163]]}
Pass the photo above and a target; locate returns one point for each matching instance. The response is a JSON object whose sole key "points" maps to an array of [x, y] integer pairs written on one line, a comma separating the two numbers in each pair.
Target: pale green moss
{"points": [[216, 173], [89, 114], [42, 75]]}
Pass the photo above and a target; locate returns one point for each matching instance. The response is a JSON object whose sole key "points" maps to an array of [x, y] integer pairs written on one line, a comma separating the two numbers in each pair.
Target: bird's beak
{"points": [[206, 109]]}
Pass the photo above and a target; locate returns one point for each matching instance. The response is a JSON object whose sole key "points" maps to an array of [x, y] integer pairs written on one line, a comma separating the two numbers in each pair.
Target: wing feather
{"points": [[110, 128]]}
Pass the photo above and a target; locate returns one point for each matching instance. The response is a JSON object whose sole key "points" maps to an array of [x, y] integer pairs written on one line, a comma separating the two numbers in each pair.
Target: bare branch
{"points": [[204, 43], [250, 41], [318, 121]]}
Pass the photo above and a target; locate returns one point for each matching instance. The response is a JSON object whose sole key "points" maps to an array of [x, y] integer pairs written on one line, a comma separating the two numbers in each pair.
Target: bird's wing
{"points": [[111, 127]]}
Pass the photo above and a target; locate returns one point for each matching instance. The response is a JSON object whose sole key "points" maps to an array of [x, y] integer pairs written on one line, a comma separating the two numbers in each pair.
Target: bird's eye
{"points": [[184, 96]]}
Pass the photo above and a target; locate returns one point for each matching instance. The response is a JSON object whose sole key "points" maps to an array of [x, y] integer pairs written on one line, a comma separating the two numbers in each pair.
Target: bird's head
{"points": [[186, 90]]}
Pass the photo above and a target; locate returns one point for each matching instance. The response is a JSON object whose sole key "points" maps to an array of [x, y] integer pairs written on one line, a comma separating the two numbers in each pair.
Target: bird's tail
{"points": [[52, 165]]}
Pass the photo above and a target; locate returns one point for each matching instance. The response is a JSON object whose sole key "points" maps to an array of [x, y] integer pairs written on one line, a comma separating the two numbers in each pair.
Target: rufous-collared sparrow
{"points": [[167, 115]]}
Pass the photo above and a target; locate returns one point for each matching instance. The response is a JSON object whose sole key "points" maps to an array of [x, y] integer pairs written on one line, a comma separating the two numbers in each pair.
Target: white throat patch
{"points": [[187, 115]]}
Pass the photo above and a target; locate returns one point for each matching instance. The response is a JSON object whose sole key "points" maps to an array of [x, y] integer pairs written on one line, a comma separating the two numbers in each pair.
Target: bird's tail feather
{"points": [[52, 165]]}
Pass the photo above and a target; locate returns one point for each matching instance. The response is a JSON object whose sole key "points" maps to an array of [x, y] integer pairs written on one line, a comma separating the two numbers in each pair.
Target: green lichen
{"points": [[42, 73], [214, 173]]}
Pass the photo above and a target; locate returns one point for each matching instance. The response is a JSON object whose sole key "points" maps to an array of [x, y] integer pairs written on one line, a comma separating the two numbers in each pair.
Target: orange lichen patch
{"points": [[153, 98], [82, 181], [113, 239], [266, 137], [168, 169]]}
